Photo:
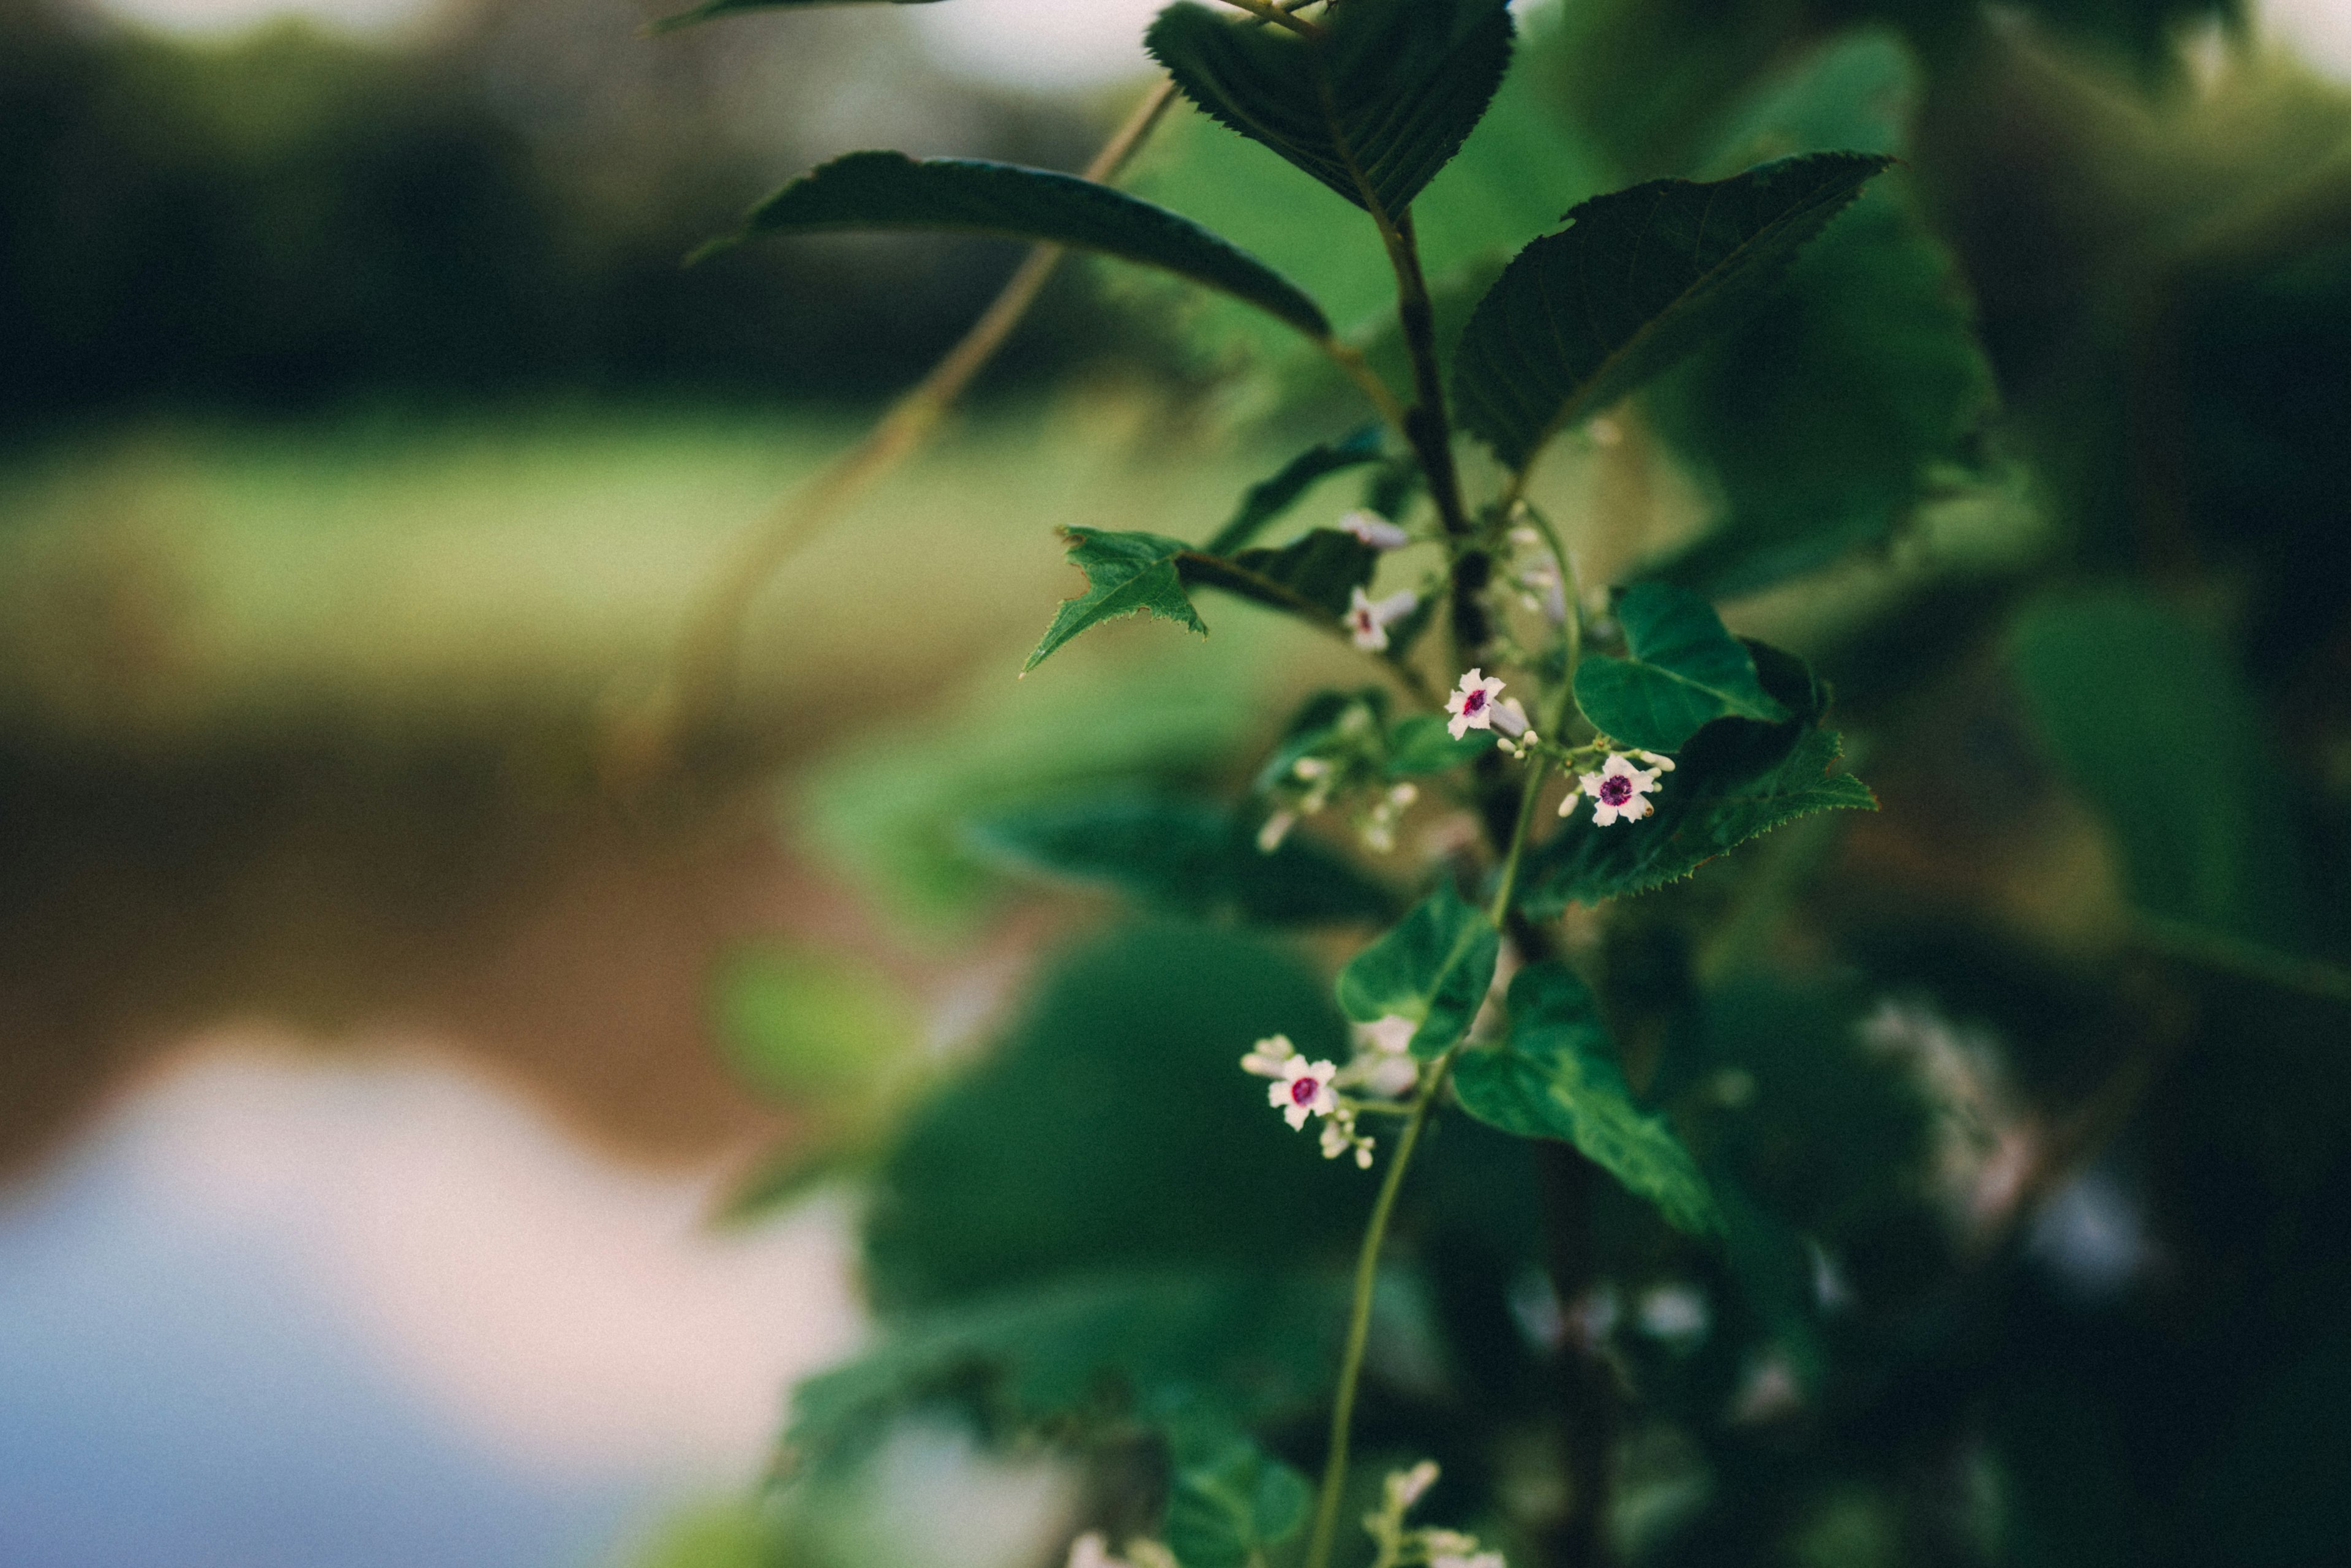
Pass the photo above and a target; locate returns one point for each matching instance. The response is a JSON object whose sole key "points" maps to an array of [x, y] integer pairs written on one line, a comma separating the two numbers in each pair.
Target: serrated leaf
{"points": [[1126, 574], [1556, 1077], [1313, 573], [891, 191], [1256, 1342], [1683, 670], [1434, 969], [1636, 282], [1420, 743], [1185, 857], [1269, 498], [1708, 805], [1231, 1500], [1373, 106], [713, 9]]}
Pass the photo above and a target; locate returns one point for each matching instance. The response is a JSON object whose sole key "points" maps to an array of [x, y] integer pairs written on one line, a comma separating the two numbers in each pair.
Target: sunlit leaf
{"points": [[1126, 574], [1373, 106], [1636, 282], [891, 191], [1269, 498], [1433, 968], [1185, 857], [1682, 669], [1557, 1077]]}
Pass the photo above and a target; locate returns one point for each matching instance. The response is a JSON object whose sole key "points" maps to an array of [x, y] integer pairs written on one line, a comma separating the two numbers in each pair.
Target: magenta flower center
{"points": [[1474, 702], [1616, 790], [1302, 1091]]}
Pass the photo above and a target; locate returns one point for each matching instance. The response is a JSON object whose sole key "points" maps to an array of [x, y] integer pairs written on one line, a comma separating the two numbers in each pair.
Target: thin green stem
{"points": [[1509, 881]]}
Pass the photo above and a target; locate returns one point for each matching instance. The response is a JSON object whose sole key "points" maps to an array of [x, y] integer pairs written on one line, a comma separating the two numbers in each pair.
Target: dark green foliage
{"points": [[1681, 671], [1822, 423], [1230, 1499], [1372, 107], [891, 191], [1126, 574], [2137, 702], [1269, 498], [1636, 281], [1556, 1077], [1112, 1129], [713, 9], [1182, 857], [1433, 968], [1736, 779], [1107, 1345]]}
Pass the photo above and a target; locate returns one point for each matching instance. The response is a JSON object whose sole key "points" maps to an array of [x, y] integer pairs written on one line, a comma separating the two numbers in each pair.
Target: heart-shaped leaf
{"points": [[1638, 279], [1434, 969], [1684, 670], [1373, 103], [1556, 1077], [891, 191]]}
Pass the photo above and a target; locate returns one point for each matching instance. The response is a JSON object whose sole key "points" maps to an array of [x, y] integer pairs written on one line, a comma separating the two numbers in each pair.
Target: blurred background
{"points": [[384, 1062]]}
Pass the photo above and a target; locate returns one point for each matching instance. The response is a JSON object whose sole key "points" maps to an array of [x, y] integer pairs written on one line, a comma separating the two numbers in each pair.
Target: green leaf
{"points": [[1269, 498], [1231, 1500], [891, 191], [1420, 743], [1126, 573], [1827, 422], [1309, 576], [1722, 794], [1636, 282], [1433, 968], [1185, 857], [711, 9], [1373, 106], [1254, 1342], [1556, 1077], [1684, 671]]}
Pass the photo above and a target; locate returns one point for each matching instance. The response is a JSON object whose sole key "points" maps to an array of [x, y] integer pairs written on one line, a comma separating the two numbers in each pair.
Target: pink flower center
{"points": [[1362, 621], [1302, 1091], [1474, 702], [1616, 790]]}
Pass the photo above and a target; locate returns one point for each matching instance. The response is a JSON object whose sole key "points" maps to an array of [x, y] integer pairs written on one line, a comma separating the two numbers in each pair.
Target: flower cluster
{"points": [[1344, 760], [1428, 1544], [1301, 1089]]}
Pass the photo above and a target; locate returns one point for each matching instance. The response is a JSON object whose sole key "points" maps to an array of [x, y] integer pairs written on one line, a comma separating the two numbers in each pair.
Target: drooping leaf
{"points": [[1636, 282], [891, 191], [711, 9], [1825, 423], [1373, 105], [1184, 857], [1557, 1077], [1736, 779], [1119, 1339], [1312, 574], [1434, 969], [1269, 498], [1420, 743], [1231, 1499], [1126, 573], [1682, 669]]}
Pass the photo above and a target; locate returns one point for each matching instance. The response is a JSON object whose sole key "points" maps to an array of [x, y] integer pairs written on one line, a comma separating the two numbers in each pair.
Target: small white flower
{"points": [[1509, 718], [1391, 1036], [1472, 705], [1091, 1551], [1339, 1137], [1303, 1089], [1374, 530], [1275, 829], [1468, 1560], [1657, 763], [1406, 1487], [1619, 789], [1368, 619], [1312, 768], [1266, 1057], [1566, 806]]}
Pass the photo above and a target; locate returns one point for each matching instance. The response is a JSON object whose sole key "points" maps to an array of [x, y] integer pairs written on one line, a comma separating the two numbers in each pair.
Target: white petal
{"points": [[1295, 1115], [1603, 813]]}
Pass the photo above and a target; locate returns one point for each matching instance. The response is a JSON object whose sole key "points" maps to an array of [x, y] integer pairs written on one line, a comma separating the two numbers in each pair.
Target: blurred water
{"points": [[292, 1312]]}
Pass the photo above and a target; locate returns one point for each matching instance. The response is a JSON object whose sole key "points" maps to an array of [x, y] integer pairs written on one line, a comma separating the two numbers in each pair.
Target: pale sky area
{"points": [[1054, 43]]}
